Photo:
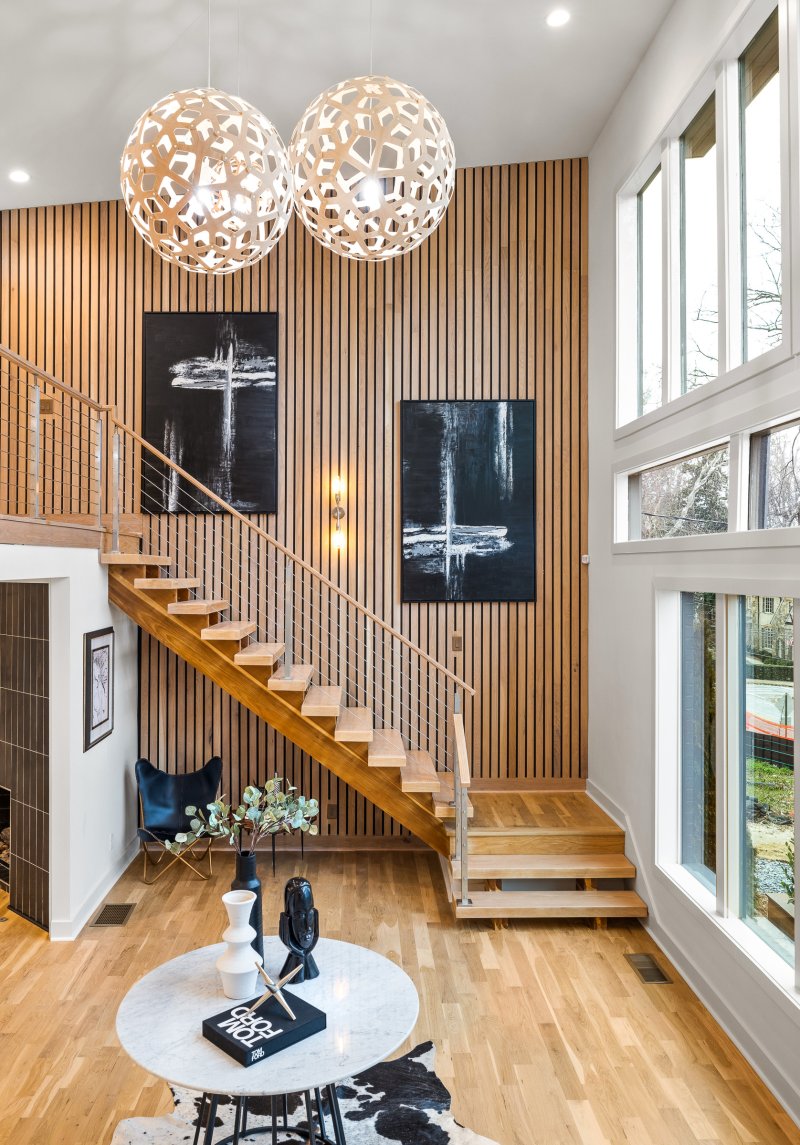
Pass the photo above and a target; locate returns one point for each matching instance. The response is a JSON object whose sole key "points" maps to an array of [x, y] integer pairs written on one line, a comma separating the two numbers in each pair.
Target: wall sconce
{"points": [[338, 512]]}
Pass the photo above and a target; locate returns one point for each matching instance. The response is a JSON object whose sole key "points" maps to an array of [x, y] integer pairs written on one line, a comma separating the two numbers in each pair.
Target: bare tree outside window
{"points": [[686, 497]]}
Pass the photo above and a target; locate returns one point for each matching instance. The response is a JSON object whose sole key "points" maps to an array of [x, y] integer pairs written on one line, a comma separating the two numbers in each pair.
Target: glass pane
{"points": [[686, 497], [699, 249], [650, 308], [778, 478], [767, 843], [761, 191], [698, 735]]}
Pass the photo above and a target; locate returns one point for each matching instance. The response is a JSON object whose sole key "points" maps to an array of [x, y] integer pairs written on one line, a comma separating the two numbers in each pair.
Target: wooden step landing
{"points": [[291, 678], [139, 560], [553, 904], [165, 583], [419, 773], [387, 749], [197, 607], [547, 867], [229, 630], [322, 702], [259, 655], [354, 726]]}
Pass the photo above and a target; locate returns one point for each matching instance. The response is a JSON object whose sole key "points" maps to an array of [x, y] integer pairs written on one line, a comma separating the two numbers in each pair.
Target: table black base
{"points": [[315, 1134]]}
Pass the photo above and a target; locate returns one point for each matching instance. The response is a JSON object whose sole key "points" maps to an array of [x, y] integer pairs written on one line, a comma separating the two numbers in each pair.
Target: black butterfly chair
{"points": [[163, 800]]}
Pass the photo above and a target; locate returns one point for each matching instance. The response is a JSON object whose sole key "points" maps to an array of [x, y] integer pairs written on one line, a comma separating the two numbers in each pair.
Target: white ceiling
{"points": [[76, 74]]}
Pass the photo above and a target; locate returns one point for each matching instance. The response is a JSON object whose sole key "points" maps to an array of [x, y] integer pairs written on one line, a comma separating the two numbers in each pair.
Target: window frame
{"points": [[756, 477], [722, 80], [724, 907]]}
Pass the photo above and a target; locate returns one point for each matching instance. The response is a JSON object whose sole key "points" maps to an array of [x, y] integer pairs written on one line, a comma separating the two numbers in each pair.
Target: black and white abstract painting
{"points": [[210, 405], [468, 507]]}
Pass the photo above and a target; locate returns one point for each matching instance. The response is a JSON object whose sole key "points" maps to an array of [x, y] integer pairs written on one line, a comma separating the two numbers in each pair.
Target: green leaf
{"points": [[181, 837], [191, 810]]}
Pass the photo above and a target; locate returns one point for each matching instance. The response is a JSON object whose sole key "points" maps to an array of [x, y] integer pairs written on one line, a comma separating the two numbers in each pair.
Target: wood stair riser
{"points": [[569, 867], [273, 707], [545, 841]]}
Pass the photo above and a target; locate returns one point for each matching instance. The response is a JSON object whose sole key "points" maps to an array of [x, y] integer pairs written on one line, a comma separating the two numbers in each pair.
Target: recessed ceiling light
{"points": [[558, 18], [19, 176]]}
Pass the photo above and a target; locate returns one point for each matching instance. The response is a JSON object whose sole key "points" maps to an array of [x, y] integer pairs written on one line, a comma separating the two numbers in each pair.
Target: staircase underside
{"points": [[344, 750]]}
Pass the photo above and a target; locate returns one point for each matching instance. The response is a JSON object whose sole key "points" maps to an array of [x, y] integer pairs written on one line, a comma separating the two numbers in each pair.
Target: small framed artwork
{"points": [[98, 686]]}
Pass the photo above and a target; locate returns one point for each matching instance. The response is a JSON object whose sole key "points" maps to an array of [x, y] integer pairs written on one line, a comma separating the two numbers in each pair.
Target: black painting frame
{"points": [[88, 639], [532, 599]]}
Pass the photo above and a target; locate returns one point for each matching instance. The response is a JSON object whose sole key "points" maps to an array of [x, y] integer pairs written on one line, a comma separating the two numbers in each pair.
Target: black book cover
{"points": [[249, 1038]]}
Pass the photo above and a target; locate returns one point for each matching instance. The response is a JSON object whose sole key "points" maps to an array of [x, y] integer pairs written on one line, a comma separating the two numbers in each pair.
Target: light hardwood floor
{"points": [[544, 1034]]}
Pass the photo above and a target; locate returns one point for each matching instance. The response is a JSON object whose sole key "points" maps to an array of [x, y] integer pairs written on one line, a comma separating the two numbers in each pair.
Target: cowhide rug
{"points": [[401, 1102]]}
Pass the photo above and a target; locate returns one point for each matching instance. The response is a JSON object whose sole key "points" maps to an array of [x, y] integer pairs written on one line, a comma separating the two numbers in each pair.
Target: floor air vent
{"points": [[114, 914], [647, 968]]}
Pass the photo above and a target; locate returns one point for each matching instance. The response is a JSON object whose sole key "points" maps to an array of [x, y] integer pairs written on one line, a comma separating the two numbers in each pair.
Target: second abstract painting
{"points": [[468, 505]]}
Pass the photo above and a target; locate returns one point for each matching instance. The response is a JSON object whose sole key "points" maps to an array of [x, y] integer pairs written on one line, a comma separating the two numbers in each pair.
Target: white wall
{"points": [[762, 1017], [93, 794]]}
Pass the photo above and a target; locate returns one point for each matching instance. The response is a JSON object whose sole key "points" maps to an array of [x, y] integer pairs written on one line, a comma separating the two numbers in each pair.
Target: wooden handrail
{"points": [[461, 755], [51, 381], [292, 556]]}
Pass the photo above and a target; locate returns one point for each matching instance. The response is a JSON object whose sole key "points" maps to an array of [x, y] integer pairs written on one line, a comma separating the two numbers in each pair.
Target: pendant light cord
{"points": [[209, 43], [371, 6], [238, 48]]}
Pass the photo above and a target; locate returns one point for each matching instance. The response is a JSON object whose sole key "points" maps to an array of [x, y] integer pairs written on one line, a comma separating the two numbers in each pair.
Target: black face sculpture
{"points": [[299, 928]]}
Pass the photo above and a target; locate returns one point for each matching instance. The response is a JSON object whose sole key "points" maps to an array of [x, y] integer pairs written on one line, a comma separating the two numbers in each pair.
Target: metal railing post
{"points": [[115, 492], [98, 454], [288, 617], [37, 445]]}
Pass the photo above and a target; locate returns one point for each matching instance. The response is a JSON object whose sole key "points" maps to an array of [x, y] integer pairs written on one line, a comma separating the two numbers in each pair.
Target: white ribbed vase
{"points": [[238, 963]]}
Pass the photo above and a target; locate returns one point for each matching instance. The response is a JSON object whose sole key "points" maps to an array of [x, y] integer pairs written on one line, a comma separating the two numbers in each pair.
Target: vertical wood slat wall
{"points": [[494, 305]]}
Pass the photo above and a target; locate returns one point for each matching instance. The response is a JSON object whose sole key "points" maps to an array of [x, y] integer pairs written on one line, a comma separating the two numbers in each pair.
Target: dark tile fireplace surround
{"points": [[24, 746]]}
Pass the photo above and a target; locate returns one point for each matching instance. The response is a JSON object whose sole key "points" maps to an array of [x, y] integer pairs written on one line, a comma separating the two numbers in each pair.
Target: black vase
{"points": [[247, 880]]}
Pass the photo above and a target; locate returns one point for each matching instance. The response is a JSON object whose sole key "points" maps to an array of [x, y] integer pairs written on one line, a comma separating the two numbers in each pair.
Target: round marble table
{"points": [[370, 1003]]}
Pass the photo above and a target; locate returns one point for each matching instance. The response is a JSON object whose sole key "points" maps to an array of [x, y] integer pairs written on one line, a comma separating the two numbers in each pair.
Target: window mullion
{"points": [[721, 772], [795, 613], [738, 483], [671, 374], [729, 216], [733, 717]]}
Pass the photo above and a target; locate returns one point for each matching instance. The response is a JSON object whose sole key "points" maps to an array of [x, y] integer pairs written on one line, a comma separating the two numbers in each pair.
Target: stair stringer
{"points": [[376, 784]]}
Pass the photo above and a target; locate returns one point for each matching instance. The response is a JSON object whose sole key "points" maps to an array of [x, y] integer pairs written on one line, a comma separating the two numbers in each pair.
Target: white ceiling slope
{"points": [[76, 74]]}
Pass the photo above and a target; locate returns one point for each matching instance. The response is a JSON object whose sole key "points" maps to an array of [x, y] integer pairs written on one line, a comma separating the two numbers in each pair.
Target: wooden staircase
{"points": [[538, 839], [405, 784]]}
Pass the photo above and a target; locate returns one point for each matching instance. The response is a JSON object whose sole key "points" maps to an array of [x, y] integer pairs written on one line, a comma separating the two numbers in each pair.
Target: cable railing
{"points": [[64, 455]]}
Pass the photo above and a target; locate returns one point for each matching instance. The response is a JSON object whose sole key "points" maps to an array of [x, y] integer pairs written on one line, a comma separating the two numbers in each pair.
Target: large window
{"points": [[704, 234], [734, 757], [698, 746], [766, 843], [775, 478], [649, 223], [761, 192], [699, 303], [680, 499]]}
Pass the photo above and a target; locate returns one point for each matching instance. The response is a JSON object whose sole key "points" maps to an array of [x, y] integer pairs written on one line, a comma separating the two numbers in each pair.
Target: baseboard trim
{"points": [[67, 930]]}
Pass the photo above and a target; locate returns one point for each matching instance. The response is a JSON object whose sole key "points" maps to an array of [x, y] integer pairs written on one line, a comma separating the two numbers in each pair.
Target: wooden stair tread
{"points": [[165, 583], [354, 725], [229, 630], [548, 867], [553, 904], [386, 749], [134, 559], [196, 607], [420, 773], [258, 655], [291, 678], [321, 702]]}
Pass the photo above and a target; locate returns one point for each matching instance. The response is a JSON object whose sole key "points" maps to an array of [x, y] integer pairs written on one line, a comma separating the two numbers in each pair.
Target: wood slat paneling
{"points": [[494, 305]]}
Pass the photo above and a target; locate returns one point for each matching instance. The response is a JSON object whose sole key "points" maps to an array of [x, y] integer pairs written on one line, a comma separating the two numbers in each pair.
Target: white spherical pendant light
{"points": [[206, 181], [373, 166]]}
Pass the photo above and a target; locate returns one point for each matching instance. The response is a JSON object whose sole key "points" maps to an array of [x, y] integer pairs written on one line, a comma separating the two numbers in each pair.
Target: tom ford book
{"points": [[249, 1038]]}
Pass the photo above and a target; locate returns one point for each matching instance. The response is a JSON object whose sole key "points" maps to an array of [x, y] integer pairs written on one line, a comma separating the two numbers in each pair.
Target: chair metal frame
{"points": [[185, 855]]}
